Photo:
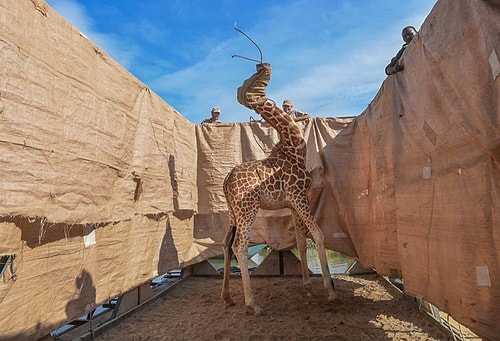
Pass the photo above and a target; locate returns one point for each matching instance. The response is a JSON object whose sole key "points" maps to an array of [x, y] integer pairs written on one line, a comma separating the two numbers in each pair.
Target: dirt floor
{"points": [[193, 310]]}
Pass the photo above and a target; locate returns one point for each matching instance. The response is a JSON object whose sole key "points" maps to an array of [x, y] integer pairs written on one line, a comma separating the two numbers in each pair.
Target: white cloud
{"points": [[336, 77], [112, 44], [73, 12], [329, 57]]}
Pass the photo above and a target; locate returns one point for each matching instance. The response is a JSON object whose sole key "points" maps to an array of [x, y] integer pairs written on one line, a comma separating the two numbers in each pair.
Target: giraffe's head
{"points": [[253, 91]]}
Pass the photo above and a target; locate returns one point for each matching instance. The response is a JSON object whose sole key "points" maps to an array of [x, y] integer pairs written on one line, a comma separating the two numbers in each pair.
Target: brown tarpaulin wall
{"points": [[103, 185], [223, 146], [96, 196]]}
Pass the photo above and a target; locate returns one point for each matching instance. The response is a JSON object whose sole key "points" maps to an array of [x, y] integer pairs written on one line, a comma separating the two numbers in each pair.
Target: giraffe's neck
{"points": [[291, 140]]}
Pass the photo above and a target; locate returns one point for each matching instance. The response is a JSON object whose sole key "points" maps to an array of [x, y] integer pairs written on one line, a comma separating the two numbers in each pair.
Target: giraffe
{"points": [[278, 181]]}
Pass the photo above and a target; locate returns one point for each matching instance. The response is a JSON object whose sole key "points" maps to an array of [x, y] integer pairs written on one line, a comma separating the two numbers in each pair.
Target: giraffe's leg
{"points": [[300, 235], [304, 212], [241, 253], [240, 248], [227, 244], [319, 238]]}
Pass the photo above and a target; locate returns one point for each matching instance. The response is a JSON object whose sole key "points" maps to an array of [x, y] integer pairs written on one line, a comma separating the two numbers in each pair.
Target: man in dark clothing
{"points": [[395, 66]]}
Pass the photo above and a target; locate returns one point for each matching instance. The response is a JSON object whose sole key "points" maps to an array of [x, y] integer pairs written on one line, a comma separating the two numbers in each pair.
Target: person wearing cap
{"points": [[215, 116], [297, 115], [395, 65]]}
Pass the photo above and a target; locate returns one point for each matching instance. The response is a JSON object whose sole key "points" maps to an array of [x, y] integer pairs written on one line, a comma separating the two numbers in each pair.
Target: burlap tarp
{"points": [[104, 185], [98, 175], [222, 147]]}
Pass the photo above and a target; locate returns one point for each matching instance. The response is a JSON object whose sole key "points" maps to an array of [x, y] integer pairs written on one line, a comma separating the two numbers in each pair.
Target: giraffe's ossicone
{"points": [[279, 181]]}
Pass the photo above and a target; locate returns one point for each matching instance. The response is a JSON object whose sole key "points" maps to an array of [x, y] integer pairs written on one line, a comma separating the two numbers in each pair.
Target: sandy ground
{"points": [[193, 310]]}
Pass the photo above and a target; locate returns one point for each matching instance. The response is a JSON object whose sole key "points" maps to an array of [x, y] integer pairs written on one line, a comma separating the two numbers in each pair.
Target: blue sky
{"points": [[328, 56]]}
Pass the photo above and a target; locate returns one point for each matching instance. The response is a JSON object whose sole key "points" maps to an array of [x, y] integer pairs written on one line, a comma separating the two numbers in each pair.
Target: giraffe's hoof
{"points": [[228, 302], [259, 311], [255, 310], [308, 290], [334, 300]]}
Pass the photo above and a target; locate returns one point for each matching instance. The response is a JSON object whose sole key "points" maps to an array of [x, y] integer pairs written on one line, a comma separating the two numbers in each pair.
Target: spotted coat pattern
{"points": [[279, 181]]}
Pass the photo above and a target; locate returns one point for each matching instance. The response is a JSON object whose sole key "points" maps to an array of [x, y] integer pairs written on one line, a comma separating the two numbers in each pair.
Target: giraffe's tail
{"points": [[231, 241]]}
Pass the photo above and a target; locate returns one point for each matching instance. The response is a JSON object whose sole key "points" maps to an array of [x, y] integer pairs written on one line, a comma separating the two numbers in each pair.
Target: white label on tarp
{"points": [[364, 193], [494, 64], [426, 172], [89, 239], [340, 235], [483, 276]]}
